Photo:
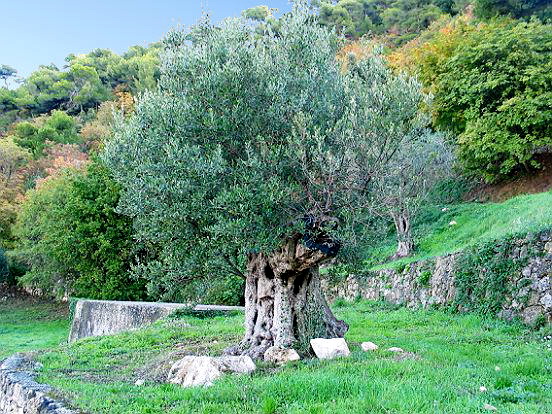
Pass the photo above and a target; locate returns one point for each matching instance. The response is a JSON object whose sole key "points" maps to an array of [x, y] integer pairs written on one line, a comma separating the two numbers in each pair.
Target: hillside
{"points": [[446, 229]]}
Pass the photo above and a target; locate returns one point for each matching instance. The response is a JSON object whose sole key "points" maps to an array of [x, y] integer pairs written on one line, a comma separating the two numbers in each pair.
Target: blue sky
{"points": [[35, 32]]}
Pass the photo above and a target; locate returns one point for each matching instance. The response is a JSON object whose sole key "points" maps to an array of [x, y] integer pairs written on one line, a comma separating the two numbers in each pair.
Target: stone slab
{"points": [[106, 317]]}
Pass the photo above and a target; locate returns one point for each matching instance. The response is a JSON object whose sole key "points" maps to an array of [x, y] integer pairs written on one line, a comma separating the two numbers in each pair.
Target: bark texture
{"points": [[285, 306], [405, 243]]}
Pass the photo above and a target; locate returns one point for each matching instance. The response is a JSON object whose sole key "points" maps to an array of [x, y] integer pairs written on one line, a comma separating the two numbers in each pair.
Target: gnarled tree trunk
{"points": [[284, 302], [405, 244]]}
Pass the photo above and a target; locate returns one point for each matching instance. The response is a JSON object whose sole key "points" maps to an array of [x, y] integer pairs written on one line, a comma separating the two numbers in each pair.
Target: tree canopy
{"points": [[249, 140], [401, 20]]}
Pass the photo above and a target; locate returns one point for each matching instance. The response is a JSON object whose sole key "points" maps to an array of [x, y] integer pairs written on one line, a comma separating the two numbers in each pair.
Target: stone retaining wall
{"points": [[433, 282], [107, 317], [21, 394]]}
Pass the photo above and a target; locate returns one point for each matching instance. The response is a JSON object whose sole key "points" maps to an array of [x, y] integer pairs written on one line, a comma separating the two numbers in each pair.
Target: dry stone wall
{"points": [[434, 282], [21, 394]]}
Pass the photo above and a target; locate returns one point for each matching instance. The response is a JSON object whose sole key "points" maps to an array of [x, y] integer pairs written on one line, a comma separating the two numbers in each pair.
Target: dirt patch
{"points": [[525, 183]]}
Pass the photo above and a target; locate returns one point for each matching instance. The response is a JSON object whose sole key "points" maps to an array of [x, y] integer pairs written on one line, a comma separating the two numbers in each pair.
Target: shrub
{"points": [[4, 269], [496, 93], [73, 240], [492, 84]]}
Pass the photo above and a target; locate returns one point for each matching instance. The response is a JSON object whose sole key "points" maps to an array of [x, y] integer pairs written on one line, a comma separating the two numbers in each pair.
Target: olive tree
{"points": [[254, 157], [405, 184]]}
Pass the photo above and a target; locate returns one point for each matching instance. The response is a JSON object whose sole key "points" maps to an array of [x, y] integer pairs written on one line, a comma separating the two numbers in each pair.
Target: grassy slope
{"points": [[456, 354], [29, 325], [476, 223]]}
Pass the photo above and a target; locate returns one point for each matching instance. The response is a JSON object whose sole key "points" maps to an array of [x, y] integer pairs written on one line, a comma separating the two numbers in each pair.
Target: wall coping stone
{"points": [[108, 317]]}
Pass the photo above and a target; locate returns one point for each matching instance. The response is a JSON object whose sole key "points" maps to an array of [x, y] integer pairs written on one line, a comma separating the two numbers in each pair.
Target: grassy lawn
{"points": [[450, 358], [475, 222], [27, 325]]}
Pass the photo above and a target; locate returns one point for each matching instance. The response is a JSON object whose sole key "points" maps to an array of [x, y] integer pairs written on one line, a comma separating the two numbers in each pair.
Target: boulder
{"points": [[281, 355], [195, 371], [329, 348], [237, 364], [368, 346]]}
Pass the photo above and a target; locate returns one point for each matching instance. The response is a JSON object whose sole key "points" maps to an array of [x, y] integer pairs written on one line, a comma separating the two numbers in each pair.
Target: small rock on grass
{"points": [[483, 388], [395, 349], [368, 346], [193, 371], [281, 355], [139, 382], [489, 407], [330, 348]]}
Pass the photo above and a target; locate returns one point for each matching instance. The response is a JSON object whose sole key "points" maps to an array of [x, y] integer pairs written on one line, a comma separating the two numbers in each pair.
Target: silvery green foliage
{"points": [[419, 163], [246, 136]]}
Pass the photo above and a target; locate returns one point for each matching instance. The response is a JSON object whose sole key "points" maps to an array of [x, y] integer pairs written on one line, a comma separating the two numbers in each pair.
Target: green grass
{"points": [[476, 222], [452, 356], [27, 325]]}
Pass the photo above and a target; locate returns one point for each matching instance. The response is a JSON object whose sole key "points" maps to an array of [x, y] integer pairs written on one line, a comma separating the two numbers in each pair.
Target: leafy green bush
{"points": [[4, 269], [492, 84], [57, 128], [496, 93], [73, 240]]}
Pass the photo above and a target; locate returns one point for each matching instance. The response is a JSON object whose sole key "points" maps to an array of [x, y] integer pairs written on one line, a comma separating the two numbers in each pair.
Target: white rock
{"points": [[238, 364], [395, 349], [193, 371], [281, 355], [330, 348], [368, 346], [453, 223], [489, 407], [497, 368], [546, 300], [444, 209], [483, 389], [139, 382]]}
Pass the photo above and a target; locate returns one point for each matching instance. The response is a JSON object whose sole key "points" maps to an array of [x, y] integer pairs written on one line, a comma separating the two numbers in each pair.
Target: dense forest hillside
{"points": [[483, 72]]}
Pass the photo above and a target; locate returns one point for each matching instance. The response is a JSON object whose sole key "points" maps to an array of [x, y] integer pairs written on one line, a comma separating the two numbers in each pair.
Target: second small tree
{"points": [[404, 185]]}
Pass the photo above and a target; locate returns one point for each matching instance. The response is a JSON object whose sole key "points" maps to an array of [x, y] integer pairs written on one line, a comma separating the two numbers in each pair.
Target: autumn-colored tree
{"points": [[13, 160], [424, 56], [58, 158], [95, 132]]}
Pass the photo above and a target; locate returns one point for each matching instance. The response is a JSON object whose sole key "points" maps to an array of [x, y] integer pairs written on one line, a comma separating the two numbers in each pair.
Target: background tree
{"points": [[398, 20], [4, 268], [7, 72], [491, 83], [495, 92], [254, 159], [58, 128], [73, 240], [405, 185], [13, 162], [514, 8]]}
